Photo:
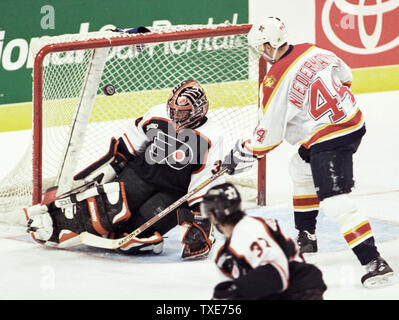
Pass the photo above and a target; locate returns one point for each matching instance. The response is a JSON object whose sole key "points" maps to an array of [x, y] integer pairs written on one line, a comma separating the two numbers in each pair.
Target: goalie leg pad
{"points": [[101, 209], [106, 168], [107, 212]]}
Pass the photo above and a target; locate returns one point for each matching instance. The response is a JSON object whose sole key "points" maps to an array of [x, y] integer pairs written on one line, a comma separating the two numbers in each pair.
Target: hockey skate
{"points": [[379, 274], [307, 242]]}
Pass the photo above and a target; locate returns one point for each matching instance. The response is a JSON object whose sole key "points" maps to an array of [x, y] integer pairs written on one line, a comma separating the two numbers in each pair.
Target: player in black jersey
{"points": [[260, 262], [162, 155]]}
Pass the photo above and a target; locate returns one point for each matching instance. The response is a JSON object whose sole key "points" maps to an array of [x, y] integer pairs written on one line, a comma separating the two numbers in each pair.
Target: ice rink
{"points": [[31, 271]]}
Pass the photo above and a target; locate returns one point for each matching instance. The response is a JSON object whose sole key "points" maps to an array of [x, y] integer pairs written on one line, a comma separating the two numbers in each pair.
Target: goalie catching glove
{"points": [[239, 159], [198, 235], [101, 210]]}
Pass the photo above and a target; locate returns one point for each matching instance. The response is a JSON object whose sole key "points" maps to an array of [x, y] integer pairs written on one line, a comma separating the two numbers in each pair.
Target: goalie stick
{"points": [[50, 194], [100, 242]]}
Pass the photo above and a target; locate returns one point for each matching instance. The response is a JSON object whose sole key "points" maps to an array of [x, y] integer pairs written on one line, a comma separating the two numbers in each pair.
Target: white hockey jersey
{"points": [[175, 160], [263, 260], [305, 99]]}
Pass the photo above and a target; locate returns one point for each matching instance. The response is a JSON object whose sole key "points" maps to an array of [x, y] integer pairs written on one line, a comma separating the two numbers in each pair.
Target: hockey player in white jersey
{"points": [[259, 260], [305, 99], [162, 155]]}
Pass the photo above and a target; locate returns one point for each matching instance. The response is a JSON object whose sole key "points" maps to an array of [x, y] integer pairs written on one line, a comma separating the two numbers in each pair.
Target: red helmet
{"points": [[187, 104]]}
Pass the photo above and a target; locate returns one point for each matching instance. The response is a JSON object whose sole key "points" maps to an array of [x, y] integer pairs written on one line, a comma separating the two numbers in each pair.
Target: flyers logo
{"points": [[170, 150]]}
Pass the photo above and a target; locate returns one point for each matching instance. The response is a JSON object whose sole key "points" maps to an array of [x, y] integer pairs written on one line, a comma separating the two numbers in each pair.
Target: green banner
{"points": [[23, 20]]}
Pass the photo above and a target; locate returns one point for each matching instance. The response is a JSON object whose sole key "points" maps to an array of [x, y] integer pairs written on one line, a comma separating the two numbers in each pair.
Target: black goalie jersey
{"points": [[265, 263], [174, 160]]}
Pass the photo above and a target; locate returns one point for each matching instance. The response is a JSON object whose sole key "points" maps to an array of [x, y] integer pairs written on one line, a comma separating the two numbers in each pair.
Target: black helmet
{"points": [[223, 201]]}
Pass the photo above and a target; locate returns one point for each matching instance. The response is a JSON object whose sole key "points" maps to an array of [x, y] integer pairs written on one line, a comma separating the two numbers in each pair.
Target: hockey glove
{"points": [[226, 290], [239, 159], [198, 237]]}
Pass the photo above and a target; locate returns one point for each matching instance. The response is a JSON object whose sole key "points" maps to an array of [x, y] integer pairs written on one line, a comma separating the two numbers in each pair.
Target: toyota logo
{"points": [[360, 11]]}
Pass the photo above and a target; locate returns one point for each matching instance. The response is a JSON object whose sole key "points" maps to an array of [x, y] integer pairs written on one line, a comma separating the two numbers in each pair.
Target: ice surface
{"points": [[31, 271]]}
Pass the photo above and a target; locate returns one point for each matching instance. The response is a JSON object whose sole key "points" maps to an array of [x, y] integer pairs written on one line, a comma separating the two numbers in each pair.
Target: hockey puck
{"points": [[109, 90]]}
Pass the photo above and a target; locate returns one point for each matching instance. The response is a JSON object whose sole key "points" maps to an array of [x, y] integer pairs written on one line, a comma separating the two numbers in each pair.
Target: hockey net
{"points": [[71, 72]]}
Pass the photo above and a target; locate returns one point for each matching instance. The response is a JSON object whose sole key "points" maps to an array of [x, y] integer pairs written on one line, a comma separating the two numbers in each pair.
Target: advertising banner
{"points": [[365, 34], [23, 20]]}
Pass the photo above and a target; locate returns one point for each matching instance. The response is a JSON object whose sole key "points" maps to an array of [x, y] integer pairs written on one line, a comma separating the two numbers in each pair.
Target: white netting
{"points": [[143, 77]]}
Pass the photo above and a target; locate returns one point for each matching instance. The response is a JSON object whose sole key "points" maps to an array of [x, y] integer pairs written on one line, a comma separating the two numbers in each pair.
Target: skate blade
{"points": [[379, 281]]}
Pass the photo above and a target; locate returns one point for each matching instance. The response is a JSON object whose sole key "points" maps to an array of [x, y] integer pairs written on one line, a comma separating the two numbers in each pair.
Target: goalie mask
{"points": [[223, 202], [187, 104]]}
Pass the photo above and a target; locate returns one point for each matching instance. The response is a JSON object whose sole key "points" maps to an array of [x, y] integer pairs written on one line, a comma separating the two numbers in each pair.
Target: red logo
{"points": [[261, 135], [363, 33]]}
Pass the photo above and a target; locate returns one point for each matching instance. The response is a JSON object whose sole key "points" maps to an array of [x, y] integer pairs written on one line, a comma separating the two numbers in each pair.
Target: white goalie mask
{"points": [[271, 30]]}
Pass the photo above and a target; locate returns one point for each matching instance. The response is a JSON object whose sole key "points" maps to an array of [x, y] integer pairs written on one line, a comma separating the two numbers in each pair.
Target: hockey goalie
{"points": [[169, 150]]}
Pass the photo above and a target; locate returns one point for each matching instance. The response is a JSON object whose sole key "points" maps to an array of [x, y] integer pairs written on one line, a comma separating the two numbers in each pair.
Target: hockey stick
{"points": [[100, 242], [51, 197]]}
